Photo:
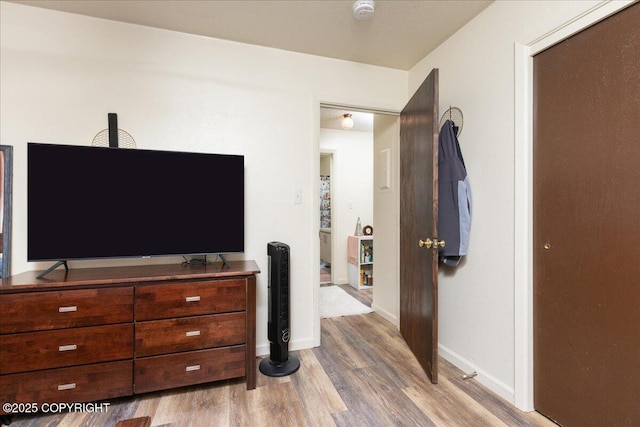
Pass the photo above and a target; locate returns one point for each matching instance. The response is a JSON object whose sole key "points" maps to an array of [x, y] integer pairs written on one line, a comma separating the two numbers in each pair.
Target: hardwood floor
{"points": [[362, 375]]}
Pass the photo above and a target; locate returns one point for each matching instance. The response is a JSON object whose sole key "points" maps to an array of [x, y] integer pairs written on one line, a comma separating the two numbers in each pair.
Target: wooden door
{"points": [[587, 226], [418, 221]]}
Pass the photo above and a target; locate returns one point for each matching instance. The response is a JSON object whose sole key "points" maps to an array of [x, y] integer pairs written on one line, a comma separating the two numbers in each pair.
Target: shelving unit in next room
{"points": [[360, 252]]}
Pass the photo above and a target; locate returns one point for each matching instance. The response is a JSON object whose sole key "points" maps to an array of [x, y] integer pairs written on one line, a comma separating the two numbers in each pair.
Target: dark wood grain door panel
{"points": [[418, 220]]}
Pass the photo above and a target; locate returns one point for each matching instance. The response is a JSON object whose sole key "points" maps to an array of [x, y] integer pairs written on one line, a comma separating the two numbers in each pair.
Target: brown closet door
{"points": [[587, 226]]}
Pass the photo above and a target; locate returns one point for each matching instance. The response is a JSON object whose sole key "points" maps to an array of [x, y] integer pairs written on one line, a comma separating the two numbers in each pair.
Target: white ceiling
{"points": [[399, 35]]}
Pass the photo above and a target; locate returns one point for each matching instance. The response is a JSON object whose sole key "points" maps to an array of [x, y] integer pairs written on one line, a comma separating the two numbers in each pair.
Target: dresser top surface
{"points": [[82, 277]]}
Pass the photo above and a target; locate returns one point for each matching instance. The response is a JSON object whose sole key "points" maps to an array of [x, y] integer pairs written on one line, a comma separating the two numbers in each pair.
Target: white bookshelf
{"points": [[360, 262]]}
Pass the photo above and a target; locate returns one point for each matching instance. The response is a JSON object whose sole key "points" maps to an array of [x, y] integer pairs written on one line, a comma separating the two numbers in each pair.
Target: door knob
{"points": [[429, 243], [425, 243]]}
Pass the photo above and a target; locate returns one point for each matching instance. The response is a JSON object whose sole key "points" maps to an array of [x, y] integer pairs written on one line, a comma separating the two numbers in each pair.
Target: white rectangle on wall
{"points": [[384, 171]]}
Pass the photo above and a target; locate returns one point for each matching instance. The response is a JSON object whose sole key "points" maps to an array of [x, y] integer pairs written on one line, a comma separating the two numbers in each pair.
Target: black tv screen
{"points": [[94, 202]]}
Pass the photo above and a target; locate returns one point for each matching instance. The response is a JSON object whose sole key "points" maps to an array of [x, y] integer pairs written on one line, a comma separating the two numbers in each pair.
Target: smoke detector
{"points": [[363, 9]]}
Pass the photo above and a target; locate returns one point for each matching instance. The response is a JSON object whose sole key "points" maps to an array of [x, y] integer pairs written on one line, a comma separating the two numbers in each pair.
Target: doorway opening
{"points": [[346, 198], [383, 297]]}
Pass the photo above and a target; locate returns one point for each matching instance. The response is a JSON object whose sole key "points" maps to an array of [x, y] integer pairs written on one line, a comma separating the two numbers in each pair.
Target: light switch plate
{"points": [[297, 196]]}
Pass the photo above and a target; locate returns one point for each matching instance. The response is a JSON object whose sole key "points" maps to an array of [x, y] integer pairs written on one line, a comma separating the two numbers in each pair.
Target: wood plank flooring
{"points": [[362, 375]]}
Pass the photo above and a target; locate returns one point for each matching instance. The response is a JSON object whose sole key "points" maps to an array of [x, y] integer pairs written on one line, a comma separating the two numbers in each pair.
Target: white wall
{"points": [[386, 209], [476, 300], [351, 190], [60, 74]]}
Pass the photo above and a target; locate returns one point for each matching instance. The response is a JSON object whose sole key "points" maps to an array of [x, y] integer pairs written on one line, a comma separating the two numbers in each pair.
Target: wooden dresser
{"points": [[95, 334]]}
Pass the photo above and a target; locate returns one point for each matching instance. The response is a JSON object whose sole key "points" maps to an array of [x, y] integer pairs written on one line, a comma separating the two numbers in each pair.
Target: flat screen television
{"points": [[94, 202]]}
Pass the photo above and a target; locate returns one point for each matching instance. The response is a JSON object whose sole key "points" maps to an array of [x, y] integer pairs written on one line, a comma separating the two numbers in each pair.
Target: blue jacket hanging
{"points": [[454, 197]]}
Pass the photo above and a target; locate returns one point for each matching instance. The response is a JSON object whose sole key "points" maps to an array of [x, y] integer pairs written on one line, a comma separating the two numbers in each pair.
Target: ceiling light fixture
{"points": [[347, 122], [363, 9]]}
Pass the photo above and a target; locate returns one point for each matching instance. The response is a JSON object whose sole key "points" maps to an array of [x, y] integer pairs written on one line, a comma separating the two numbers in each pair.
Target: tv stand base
{"points": [[53, 267], [224, 261]]}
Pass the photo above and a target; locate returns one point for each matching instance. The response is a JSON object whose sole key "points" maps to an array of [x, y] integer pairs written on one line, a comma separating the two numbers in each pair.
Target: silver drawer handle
{"points": [[192, 368], [193, 299], [66, 386], [68, 309], [67, 347], [192, 333]]}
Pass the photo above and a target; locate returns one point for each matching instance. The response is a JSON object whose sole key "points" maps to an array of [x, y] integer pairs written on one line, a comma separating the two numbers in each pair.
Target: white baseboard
{"points": [[484, 378], [264, 349], [389, 317]]}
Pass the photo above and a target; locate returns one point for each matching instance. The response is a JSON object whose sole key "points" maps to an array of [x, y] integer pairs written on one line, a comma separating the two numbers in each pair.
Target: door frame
{"points": [[523, 205], [318, 104], [332, 155]]}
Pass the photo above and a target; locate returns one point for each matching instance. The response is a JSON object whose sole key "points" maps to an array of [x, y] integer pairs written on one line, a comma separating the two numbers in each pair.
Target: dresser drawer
{"points": [[195, 367], [36, 311], [65, 347], [78, 384], [190, 298], [189, 333]]}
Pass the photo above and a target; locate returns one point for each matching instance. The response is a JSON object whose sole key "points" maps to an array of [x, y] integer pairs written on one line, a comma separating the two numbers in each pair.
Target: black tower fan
{"points": [[279, 364]]}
